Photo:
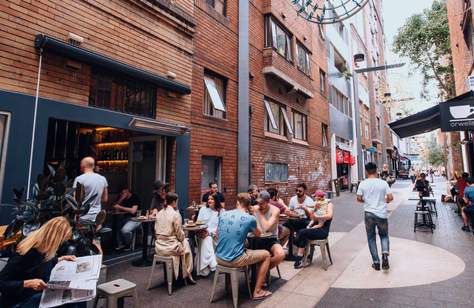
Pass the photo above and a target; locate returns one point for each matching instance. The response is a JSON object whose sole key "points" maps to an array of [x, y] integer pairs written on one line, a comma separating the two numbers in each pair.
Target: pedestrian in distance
{"points": [[375, 194]]}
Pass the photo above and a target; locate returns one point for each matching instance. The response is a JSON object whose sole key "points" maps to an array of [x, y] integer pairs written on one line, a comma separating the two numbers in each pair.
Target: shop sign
{"points": [[339, 157], [458, 116], [347, 157], [352, 160]]}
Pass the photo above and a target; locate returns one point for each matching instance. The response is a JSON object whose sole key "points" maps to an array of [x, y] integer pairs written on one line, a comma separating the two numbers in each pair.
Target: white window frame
{"points": [[287, 121], [3, 154], [216, 99], [268, 108]]}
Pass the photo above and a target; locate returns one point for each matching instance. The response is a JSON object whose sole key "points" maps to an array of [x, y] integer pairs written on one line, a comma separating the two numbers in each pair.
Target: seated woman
{"points": [[318, 229], [209, 215], [27, 272], [170, 239]]}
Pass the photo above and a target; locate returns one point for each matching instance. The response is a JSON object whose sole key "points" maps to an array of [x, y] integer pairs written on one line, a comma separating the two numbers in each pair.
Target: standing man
{"points": [[268, 217], [213, 189], [375, 194], [94, 184], [232, 231], [129, 204]]}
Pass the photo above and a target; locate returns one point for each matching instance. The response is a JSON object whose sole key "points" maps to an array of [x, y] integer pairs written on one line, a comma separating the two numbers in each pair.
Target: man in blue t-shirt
{"points": [[468, 209], [232, 231]]}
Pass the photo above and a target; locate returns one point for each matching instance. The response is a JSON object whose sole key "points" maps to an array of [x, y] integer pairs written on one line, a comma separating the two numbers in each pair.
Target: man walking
{"points": [[375, 194], [94, 184]]}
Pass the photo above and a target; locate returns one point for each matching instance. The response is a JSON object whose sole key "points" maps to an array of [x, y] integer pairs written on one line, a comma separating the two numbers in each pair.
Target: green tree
{"points": [[436, 155], [425, 40]]}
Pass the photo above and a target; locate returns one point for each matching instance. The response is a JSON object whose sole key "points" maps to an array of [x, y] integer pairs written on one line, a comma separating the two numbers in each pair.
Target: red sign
{"points": [[347, 157], [339, 157], [353, 160]]}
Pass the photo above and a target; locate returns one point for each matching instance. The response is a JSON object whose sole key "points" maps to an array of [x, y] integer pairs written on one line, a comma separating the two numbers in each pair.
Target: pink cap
{"points": [[319, 194]]}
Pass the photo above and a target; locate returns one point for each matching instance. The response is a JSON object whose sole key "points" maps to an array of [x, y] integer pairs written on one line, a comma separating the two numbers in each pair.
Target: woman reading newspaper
{"points": [[26, 274]]}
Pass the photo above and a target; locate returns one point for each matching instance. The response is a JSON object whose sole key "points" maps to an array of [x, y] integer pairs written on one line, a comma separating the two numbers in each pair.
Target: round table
{"points": [[144, 261]]}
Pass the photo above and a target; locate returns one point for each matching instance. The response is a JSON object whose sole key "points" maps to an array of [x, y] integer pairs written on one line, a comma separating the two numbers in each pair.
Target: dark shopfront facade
{"points": [[19, 111]]}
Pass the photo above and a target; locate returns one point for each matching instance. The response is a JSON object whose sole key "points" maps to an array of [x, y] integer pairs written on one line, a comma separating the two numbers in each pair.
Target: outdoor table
{"points": [[424, 208], [192, 210], [144, 261], [195, 244], [252, 239]]}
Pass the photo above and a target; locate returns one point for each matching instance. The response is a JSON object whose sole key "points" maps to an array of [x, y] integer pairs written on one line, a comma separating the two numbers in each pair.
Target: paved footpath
{"points": [[427, 270]]}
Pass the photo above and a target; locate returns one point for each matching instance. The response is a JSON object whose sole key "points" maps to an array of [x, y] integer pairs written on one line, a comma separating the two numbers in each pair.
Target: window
{"points": [[276, 172], [3, 145], [378, 125], [339, 62], [210, 171], [300, 122], [121, 94], [322, 82], [277, 38], [303, 61], [218, 5], [367, 124], [324, 131], [276, 119], [340, 102], [214, 96]]}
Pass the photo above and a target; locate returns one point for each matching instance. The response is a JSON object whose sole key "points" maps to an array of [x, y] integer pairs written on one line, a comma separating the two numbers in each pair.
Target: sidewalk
{"points": [[427, 270]]}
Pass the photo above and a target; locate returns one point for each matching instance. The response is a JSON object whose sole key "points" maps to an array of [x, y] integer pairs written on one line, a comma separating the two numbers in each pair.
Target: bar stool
{"points": [[233, 272], [116, 289], [426, 216], [167, 269], [325, 252]]}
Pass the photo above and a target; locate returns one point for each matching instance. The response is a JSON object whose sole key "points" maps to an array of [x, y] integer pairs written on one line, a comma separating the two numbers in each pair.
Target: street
{"points": [[427, 270]]}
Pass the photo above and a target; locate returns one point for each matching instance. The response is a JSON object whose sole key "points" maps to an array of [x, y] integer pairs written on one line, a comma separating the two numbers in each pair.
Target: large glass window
{"points": [[341, 102], [276, 119], [324, 133], [300, 125], [122, 94], [322, 82], [276, 172], [277, 37], [303, 59], [214, 97], [210, 171]]}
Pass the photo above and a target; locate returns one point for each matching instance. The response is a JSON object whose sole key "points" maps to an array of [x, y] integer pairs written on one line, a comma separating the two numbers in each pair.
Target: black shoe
{"points": [[376, 266], [466, 228], [299, 262], [385, 265]]}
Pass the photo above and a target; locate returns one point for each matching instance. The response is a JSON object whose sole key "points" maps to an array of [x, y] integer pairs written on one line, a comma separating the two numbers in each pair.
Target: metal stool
{"points": [[233, 272], [116, 289], [325, 252], [167, 269], [425, 215]]}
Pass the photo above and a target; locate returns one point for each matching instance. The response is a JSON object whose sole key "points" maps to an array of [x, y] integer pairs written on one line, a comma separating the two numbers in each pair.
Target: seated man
{"points": [[232, 231], [301, 198], [468, 209], [128, 203], [283, 232], [423, 186], [268, 217]]}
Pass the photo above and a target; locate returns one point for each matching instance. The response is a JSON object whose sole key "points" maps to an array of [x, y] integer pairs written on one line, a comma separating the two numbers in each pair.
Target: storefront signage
{"points": [[458, 116], [347, 157], [339, 157]]}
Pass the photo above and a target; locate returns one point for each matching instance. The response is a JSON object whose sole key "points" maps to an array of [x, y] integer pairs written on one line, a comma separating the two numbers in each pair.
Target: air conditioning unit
{"points": [[470, 82]]}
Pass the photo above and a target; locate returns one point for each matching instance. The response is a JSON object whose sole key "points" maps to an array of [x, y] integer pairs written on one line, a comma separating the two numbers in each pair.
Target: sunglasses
{"points": [[299, 191]]}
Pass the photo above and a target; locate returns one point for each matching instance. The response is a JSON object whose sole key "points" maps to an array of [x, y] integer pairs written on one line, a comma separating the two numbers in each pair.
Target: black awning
{"points": [[83, 55], [418, 123]]}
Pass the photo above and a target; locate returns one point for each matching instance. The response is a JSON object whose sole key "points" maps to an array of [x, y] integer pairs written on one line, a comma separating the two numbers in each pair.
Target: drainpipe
{"points": [[33, 130], [243, 169]]}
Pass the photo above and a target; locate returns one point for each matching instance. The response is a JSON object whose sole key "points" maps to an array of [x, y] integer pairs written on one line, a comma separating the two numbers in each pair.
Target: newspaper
{"points": [[72, 282]]}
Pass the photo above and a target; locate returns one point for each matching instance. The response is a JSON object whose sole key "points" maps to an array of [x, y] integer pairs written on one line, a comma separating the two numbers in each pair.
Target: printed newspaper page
{"points": [[72, 282]]}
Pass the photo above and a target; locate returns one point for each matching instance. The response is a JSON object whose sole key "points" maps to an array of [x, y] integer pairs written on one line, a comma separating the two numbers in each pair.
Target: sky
{"points": [[406, 81]]}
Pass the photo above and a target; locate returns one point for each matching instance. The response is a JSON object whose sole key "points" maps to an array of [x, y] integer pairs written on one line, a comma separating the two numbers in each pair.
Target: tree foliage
{"points": [[436, 155], [425, 40]]}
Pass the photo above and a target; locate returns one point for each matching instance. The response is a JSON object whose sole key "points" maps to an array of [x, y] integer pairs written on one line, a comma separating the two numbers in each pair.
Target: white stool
{"points": [[113, 290], [325, 252], [168, 271], [233, 272]]}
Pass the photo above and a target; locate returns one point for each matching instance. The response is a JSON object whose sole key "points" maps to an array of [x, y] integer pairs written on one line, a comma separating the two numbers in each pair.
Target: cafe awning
{"points": [[48, 43], [456, 114]]}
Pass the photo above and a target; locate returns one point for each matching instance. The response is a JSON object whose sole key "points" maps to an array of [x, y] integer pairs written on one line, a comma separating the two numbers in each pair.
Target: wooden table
{"points": [[144, 261]]}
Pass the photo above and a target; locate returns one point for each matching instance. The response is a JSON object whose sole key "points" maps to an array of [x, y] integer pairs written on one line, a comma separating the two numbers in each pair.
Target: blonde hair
{"points": [[48, 238]]}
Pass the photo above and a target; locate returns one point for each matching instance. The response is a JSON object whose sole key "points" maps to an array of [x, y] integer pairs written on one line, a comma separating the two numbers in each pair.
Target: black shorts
{"points": [[265, 243]]}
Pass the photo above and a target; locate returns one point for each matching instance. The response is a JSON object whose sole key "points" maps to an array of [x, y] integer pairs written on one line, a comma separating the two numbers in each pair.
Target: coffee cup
{"points": [[461, 112]]}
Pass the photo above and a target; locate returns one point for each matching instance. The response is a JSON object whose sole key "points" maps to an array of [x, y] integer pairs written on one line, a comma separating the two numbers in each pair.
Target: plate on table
{"points": [[199, 222]]}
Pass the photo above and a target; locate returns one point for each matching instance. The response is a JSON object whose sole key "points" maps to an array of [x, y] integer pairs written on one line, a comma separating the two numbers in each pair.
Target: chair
{"points": [[167, 269], [325, 252], [134, 237], [233, 272], [116, 289], [269, 275], [426, 216]]}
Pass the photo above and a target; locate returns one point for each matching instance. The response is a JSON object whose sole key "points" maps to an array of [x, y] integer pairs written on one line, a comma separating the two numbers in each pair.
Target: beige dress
{"points": [[170, 240]]}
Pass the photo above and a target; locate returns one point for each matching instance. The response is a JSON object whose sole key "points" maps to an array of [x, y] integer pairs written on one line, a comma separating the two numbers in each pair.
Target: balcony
{"points": [[276, 65]]}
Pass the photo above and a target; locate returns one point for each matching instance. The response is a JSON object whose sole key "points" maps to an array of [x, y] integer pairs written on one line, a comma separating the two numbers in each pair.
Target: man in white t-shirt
{"points": [[301, 198], [94, 184], [375, 194]]}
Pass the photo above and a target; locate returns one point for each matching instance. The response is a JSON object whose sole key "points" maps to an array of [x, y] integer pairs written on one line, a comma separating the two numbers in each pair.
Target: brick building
{"points": [[460, 154]]}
